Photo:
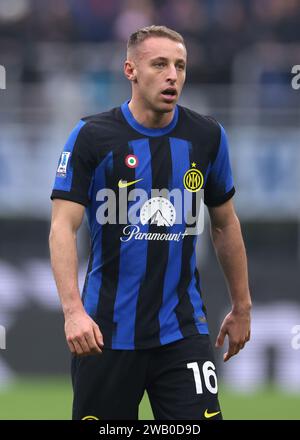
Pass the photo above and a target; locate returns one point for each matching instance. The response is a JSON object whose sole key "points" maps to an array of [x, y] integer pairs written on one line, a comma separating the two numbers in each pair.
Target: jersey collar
{"points": [[145, 130]]}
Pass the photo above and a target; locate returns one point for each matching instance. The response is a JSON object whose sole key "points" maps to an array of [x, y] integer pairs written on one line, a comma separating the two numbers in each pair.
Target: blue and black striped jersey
{"points": [[142, 285]]}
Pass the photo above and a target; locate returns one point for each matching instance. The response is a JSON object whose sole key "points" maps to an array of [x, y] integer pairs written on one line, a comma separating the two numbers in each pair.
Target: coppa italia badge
{"points": [[193, 179], [131, 161]]}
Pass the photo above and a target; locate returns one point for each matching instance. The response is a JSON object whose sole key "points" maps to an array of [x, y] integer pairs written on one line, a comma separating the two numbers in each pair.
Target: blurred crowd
{"points": [[215, 30]]}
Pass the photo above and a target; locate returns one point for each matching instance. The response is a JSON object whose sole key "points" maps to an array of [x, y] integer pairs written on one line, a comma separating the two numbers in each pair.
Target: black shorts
{"points": [[179, 377]]}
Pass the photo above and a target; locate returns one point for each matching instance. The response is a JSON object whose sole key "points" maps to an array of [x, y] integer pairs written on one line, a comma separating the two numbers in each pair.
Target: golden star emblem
{"points": [[193, 165]]}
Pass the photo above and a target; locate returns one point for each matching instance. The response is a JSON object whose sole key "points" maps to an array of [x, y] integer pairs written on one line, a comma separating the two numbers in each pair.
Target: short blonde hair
{"points": [[153, 31]]}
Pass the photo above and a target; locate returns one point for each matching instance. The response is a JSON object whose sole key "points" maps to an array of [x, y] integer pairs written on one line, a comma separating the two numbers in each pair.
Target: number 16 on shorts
{"points": [[207, 373]]}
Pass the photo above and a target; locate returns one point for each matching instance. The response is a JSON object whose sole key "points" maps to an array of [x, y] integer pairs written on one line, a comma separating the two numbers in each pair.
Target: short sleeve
{"points": [[219, 185], [75, 167]]}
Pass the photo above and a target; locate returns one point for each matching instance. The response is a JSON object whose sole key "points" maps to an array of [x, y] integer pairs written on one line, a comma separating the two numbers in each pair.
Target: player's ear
{"points": [[130, 70]]}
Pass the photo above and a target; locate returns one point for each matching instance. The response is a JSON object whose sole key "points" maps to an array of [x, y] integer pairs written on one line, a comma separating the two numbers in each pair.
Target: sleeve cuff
{"points": [[217, 201], [65, 195]]}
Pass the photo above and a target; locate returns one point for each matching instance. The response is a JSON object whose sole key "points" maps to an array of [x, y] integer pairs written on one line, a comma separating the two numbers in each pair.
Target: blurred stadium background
{"points": [[63, 60]]}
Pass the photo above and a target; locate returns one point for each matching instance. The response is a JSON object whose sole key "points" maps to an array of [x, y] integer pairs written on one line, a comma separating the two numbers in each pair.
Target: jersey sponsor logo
{"points": [[89, 418], [124, 184], [134, 231], [131, 161], [158, 211], [208, 415], [63, 163], [193, 179]]}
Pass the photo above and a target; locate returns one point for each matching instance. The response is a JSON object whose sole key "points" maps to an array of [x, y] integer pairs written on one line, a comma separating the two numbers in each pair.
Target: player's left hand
{"points": [[237, 326]]}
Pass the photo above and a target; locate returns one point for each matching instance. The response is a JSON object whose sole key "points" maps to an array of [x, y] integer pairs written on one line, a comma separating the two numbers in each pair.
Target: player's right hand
{"points": [[83, 334]]}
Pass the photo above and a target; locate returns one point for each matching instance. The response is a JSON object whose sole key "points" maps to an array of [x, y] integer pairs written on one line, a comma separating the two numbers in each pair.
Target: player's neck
{"points": [[147, 117]]}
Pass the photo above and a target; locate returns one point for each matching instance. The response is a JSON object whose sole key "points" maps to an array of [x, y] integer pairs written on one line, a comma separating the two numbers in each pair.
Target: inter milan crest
{"points": [[193, 179]]}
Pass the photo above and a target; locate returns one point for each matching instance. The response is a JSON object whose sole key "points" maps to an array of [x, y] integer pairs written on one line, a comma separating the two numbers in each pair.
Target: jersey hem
{"points": [[203, 330]]}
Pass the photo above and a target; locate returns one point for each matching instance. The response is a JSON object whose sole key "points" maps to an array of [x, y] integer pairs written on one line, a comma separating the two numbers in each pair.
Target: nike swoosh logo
{"points": [[208, 415], [124, 184]]}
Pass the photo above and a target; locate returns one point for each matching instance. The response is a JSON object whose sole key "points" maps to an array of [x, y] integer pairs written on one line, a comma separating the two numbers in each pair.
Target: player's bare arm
{"points": [[82, 333], [229, 245]]}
